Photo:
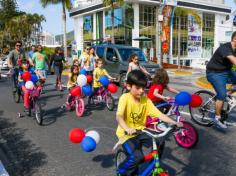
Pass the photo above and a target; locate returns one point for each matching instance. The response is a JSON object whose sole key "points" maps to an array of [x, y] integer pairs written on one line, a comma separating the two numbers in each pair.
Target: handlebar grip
{"points": [[136, 133]]}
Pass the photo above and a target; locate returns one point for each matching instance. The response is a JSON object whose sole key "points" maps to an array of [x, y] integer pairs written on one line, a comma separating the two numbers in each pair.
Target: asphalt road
{"points": [[27, 149]]}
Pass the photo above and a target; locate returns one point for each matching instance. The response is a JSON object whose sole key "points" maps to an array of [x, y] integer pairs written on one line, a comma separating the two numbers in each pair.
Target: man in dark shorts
{"points": [[14, 59], [219, 74]]}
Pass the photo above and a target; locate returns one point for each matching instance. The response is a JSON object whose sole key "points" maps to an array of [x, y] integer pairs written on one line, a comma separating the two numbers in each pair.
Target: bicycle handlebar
{"points": [[150, 132]]}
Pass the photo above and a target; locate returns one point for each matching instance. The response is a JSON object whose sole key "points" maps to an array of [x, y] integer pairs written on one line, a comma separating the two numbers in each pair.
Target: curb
{"points": [[203, 85], [184, 73]]}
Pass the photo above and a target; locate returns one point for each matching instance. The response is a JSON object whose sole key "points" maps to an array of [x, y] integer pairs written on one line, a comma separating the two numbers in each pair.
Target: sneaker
{"points": [[219, 123], [68, 106]]}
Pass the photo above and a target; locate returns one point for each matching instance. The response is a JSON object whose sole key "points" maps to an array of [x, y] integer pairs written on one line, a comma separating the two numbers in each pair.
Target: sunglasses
{"points": [[18, 45]]}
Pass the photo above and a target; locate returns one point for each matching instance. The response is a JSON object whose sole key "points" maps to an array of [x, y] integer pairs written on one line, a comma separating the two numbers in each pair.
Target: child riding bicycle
{"points": [[24, 67], [133, 109], [160, 82], [72, 82], [97, 73]]}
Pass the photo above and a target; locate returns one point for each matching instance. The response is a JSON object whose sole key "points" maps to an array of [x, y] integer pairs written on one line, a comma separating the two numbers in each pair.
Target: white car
{"points": [[3, 63], [200, 64]]}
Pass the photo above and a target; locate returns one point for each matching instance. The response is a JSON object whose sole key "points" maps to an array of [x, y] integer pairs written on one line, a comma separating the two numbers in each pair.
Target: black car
{"points": [[116, 59]]}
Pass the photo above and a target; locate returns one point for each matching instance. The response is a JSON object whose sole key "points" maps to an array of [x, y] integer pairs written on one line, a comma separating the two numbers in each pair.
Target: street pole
{"points": [[159, 20]]}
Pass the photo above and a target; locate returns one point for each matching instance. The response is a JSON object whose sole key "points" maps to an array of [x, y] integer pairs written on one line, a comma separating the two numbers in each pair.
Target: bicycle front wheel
{"points": [[110, 102], [38, 113], [79, 107], [120, 157], [202, 115], [186, 137]]}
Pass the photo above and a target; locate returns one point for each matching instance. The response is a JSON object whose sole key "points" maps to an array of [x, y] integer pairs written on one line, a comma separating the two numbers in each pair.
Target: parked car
{"points": [[116, 59], [200, 64], [3, 63]]}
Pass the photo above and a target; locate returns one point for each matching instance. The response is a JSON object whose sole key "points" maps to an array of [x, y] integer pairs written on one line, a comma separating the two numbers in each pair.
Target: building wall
{"points": [[220, 26]]}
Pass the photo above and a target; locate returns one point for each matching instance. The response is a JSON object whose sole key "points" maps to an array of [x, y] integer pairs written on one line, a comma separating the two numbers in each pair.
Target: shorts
{"points": [[43, 73], [219, 81]]}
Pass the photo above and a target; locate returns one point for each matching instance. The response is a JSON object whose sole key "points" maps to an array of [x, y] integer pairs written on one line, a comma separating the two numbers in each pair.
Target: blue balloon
{"points": [[183, 98], [87, 90], [34, 78], [88, 144], [83, 72], [104, 80]]}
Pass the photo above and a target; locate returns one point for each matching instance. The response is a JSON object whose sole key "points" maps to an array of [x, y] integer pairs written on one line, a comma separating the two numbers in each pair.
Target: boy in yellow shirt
{"points": [[133, 109], [97, 73]]}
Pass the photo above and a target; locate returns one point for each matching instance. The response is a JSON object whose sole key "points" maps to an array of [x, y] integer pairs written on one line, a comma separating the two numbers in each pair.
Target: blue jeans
{"points": [[219, 81], [133, 149], [14, 78]]}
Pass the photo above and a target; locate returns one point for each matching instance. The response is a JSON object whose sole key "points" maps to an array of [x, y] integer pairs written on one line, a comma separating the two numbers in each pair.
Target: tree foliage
{"points": [[15, 24]]}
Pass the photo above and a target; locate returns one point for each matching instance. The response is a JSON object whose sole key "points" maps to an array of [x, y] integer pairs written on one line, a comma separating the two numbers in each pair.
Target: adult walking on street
{"points": [[31, 53], [57, 59], [84, 59], [14, 60], [219, 73]]}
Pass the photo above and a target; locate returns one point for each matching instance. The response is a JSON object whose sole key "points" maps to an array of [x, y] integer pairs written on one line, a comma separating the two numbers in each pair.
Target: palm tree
{"points": [[66, 5], [179, 12], [112, 4]]}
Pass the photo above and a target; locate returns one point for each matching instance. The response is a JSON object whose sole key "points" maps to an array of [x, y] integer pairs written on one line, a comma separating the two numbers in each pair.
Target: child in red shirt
{"points": [[159, 83]]}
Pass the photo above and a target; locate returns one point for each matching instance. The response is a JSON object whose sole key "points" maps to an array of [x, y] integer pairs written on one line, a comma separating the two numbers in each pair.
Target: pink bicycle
{"points": [[75, 102]]}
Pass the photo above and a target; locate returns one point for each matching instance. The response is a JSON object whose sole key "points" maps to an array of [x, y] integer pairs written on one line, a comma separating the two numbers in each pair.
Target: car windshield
{"points": [[125, 53]]}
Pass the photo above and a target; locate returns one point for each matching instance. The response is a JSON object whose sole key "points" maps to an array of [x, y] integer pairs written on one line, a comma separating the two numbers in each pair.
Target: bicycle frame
{"points": [[154, 166], [174, 110]]}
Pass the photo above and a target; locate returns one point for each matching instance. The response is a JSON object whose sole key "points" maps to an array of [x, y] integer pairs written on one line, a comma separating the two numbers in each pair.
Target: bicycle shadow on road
{"points": [[212, 155], [107, 160], [18, 154], [50, 116]]}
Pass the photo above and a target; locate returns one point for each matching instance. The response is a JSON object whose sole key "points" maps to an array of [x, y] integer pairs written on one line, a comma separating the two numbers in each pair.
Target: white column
{"points": [[135, 31], [217, 31], [104, 24], [94, 27], [79, 32]]}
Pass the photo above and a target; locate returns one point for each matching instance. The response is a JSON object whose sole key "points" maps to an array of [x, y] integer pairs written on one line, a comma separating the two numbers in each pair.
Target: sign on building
{"points": [[194, 38]]}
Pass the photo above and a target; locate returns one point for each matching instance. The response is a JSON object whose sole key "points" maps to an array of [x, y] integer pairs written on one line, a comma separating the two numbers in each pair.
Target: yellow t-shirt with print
{"points": [[71, 82], [97, 73], [134, 113]]}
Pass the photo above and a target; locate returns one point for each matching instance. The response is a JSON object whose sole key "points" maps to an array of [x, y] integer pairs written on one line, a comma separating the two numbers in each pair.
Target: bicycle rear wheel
{"points": [[110, 102], [38, 113], [186, 137], [202, 115], [16, 95], [79, 107]]}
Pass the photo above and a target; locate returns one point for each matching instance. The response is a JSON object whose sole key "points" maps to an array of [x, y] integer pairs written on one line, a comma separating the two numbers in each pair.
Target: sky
{"points": [[53, 14]]}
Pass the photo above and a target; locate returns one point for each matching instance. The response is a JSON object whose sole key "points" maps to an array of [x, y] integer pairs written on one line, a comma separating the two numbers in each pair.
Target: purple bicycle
{"points": [[103, 96], [186, 137]]}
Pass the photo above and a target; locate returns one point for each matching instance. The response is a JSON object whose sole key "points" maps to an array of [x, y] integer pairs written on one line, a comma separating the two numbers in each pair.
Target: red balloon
{"points": [[76, 135], [112, 88], [89, 78], [76, 91], [26, 76], [196, 101]]}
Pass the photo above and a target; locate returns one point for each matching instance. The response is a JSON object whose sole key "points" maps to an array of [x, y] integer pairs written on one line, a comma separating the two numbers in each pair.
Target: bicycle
{"points": [[35, 105], [187, 136], [76, 103], [152, 159], [103, 95], [203, 115]]}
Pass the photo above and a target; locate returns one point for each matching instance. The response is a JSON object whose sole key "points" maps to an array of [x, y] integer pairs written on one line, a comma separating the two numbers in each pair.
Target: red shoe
{"points": [[68, 106]]}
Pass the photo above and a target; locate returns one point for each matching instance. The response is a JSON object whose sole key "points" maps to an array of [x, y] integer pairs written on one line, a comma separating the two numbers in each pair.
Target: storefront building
{"points": [[137, 23]]}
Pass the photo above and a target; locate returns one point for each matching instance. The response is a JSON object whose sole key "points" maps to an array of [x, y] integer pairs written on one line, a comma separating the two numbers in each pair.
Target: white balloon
{"points": [[93, 134], [29, 85], [81, 80]]}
